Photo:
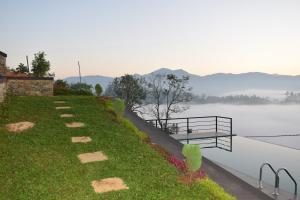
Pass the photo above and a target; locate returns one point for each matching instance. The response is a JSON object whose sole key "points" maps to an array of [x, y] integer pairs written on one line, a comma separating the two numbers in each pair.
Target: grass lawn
{"points": [[42, 163]]}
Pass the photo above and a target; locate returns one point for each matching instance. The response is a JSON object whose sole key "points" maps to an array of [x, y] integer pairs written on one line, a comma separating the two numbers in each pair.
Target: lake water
{"points": [[256, 120]]}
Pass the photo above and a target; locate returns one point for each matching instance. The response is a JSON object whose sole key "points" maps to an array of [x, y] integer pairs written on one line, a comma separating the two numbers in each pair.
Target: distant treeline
{"points": [[236, 99], [291, 98]]}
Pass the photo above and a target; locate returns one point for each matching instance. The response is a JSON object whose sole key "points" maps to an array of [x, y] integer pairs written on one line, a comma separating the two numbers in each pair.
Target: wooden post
{"points": [[79, 73], [27, 64], [216, 131]]}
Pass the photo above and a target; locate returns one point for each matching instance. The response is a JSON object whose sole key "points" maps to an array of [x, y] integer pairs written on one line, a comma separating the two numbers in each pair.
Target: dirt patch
{"points": [[75, 125], [92, 157], [109, 184], [19, 127], [83, 139], [59, 102], [62, 107], [66, 115]]}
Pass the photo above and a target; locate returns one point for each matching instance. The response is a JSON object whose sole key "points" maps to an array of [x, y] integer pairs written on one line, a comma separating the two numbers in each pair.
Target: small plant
{"points": [[193, 156], [193, 160], [98, 89]]}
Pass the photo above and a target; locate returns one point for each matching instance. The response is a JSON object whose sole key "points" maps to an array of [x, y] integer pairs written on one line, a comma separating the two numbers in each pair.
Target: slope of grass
{"points": [[41, 163]]}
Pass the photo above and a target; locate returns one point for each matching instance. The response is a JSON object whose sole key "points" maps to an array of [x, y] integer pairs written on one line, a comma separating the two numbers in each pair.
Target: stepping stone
{"points": [[92, 157], [19, 127], [109, 184], [62, 107], [66, 115], [75, 125], [59, 102], [83, 139]]}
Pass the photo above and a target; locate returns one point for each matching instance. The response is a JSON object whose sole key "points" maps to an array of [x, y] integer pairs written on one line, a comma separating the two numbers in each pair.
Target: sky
{"points": [[114, 37]]}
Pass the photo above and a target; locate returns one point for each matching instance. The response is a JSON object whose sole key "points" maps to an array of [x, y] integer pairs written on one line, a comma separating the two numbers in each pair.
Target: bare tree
{"points": [[167, 94]]}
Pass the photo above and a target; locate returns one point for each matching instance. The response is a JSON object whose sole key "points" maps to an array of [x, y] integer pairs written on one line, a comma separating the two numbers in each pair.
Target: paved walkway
{"points": [[230, 183]]}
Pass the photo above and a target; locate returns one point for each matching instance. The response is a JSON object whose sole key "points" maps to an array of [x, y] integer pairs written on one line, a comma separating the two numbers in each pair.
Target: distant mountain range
{"points": [[220, 84]]}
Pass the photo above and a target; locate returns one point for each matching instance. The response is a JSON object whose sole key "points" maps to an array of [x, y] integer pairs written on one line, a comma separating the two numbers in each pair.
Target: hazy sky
{"points": [[113, 37]]}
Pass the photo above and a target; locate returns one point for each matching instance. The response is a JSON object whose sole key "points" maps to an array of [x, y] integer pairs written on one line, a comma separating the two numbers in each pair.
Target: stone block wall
{"points": [[2, 62], [2, 90], [29, 86]]}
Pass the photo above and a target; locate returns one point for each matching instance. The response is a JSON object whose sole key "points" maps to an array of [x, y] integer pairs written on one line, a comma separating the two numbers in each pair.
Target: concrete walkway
{"points": [[231, 184]]}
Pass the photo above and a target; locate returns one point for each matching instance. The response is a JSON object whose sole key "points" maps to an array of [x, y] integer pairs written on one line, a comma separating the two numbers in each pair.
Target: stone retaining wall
{"points": [[2, 62], [29, 86], [2, 90]]}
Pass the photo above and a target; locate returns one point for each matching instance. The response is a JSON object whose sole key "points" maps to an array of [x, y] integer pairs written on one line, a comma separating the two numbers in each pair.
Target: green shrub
{"points": [[119, 106], [98, 89], [78, 89], [193, 156], [116, 108], [81, 89], [213, 190]]}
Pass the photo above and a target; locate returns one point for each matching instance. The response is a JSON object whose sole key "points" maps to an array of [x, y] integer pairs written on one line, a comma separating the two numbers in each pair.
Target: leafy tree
{"points": [[22, 69], [167, 94], [128, 88], [40, 66], [98, 89]]}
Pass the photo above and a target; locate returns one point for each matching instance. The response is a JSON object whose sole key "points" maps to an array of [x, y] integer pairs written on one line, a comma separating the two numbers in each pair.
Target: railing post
{"points": [[166, 125], [216, 131], [230, 134], [187, 129]]}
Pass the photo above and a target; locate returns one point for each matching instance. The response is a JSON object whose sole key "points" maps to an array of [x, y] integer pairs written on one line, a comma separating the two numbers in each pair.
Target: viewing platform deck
{"points": [[208, 131]]}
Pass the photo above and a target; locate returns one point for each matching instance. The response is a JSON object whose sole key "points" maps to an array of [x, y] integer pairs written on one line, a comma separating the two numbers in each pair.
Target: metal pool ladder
{"points": [[276, 173]]}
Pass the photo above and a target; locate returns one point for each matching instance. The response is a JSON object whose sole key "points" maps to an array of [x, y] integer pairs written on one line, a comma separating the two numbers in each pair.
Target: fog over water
{"points": [[256, 120]]}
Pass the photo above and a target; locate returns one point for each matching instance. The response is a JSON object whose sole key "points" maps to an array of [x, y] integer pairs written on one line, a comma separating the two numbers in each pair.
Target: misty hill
{"points": [[219, 84]]}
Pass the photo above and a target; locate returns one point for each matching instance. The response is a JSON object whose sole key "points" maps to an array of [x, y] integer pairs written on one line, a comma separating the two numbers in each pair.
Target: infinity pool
{"points": [[248, 155]]}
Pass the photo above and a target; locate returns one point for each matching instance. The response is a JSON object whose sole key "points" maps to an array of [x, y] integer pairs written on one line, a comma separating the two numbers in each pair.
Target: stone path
{"points": [[59, 102], [75, 125], [99, 186], [62, 107], [109, 184], [19, 127], [66, 115], [82, 139], [92, 157]]}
